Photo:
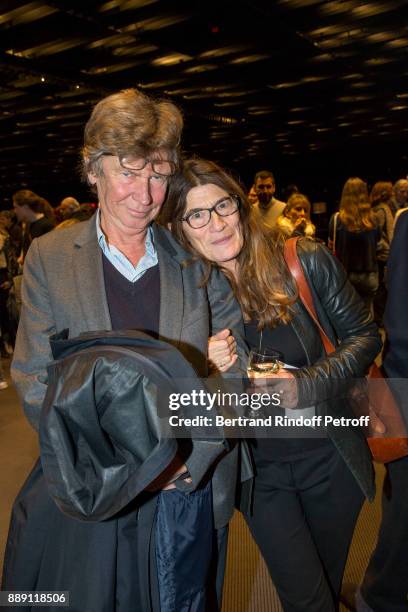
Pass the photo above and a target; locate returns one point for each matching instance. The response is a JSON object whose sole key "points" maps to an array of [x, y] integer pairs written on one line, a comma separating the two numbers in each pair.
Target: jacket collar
{"points": [[90, 280]]}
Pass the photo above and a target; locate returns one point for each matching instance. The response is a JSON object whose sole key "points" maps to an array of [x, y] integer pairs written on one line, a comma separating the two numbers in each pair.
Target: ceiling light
{"points": [[27, 13], [369, 9], [111, 41], [398, 43], [286, 85], [160, 84], [171, 59], [232, 103], [201, 68], [259, 112], [313, 79], [378, 61], [379, 36], [324, 57], [351, 76], [235, 94], [134, 50], [155, 23], [111, 68], [221, 51], [124, 5], [336, 7], [249, 59]]}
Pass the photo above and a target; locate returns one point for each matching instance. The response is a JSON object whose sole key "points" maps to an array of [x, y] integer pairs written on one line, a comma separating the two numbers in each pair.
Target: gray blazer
{"points": [[63, 287]]}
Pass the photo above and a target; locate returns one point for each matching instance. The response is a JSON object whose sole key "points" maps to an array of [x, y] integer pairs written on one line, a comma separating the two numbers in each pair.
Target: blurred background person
{"points": [[8, 270], [385, 584], [3, 382], [289, 190], [85, 212], [399, 195], [34, 213], [381, 202], [68, 206], [47, 209], [268, 208], [14, 230], [252, 197], [354, 236], [295, 219]]}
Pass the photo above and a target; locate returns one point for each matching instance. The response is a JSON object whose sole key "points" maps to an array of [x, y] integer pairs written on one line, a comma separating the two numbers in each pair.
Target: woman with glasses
{"points": [[308, 490]]}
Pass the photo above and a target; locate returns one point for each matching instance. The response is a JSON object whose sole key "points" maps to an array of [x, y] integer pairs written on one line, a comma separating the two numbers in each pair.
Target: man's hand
{"points": [[165, 481], [222, 350]]}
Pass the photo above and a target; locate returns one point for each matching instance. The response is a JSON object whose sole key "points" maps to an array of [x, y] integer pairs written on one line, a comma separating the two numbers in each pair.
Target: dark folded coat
{"points": [[102, 442]]}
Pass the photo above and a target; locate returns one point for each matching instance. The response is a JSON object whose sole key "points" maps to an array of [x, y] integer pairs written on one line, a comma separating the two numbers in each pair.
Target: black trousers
{"points": [[303, 518], [385, 584]]}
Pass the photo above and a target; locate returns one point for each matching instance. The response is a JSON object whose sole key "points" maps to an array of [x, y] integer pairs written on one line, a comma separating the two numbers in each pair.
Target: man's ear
{"points": [[92, 178]]}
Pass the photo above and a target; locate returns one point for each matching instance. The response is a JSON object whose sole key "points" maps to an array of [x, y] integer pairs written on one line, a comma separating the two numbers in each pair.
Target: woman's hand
{"points": [[282, 382], [222, 350]]}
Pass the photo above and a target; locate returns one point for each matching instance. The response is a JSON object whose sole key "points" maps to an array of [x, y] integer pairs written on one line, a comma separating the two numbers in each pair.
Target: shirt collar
{"points": [[103, 243]]}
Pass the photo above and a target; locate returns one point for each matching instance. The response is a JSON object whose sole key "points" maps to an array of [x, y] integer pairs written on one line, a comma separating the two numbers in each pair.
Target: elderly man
{"points": [[399, 198], [68, 206], [268, 208], [120, 270]]}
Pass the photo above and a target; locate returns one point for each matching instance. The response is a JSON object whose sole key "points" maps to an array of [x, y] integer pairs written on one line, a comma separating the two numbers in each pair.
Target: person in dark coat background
{"points": [[385, 584]]}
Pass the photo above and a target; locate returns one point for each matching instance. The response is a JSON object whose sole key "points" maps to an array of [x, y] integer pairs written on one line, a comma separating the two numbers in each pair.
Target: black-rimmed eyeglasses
{"points": [[200, 217]]}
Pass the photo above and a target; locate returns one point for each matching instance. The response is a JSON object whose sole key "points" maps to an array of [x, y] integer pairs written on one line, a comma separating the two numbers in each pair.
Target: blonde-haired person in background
{"points": [[354, 236], [295, 219]]}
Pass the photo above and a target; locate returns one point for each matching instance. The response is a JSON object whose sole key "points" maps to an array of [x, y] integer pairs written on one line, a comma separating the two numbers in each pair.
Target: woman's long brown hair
{"points": [[355, 209]]}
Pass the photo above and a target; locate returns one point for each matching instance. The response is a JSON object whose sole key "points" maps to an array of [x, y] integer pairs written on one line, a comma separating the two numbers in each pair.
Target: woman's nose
{"points": [[217, 222]]}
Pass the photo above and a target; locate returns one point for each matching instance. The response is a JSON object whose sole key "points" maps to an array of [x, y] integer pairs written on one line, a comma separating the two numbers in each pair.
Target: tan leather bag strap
{"points": [[295, 267]]}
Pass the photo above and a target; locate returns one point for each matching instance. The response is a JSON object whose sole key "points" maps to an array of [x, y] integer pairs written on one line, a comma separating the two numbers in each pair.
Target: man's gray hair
{"points": [[130, 125]]}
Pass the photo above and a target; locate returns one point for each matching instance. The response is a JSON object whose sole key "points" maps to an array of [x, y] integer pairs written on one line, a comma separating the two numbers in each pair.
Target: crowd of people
{"points": [[32, 216], [179, 250]]}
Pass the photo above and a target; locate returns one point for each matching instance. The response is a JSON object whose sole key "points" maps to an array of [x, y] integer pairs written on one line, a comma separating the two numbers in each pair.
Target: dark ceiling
{"points": [[301, 86]]}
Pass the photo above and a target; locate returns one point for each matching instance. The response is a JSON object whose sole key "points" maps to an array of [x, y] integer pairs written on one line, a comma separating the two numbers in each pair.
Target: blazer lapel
{"points": [[171, 290], [88, 272]]}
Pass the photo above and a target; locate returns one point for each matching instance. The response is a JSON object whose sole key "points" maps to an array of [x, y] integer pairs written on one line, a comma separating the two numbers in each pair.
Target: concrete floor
{"points": [[248, 587]]}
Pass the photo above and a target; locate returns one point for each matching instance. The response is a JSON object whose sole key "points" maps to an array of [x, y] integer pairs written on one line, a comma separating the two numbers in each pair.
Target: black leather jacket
{"points": [[349, 325]]}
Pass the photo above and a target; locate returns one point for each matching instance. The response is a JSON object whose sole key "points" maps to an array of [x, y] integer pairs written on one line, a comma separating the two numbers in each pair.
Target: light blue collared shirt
{"points": [[121, 262]]}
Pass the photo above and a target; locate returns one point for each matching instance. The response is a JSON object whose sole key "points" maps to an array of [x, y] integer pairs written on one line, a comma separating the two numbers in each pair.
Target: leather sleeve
{"points": [[345, 319], [224, 313]]}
